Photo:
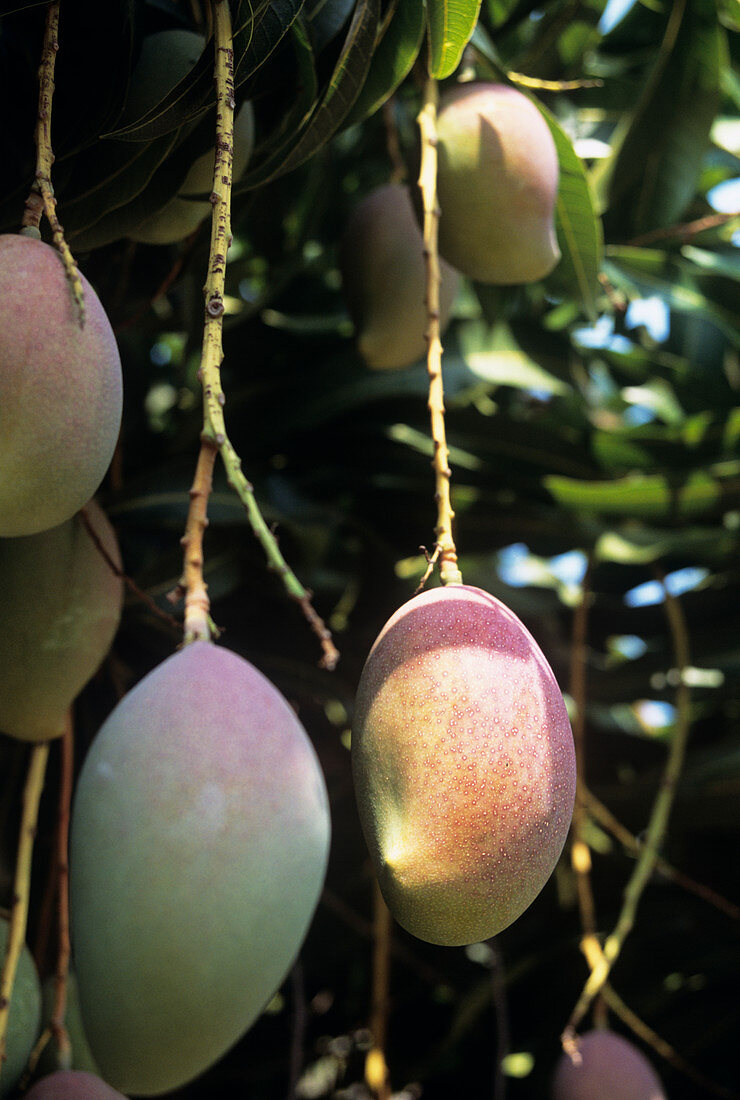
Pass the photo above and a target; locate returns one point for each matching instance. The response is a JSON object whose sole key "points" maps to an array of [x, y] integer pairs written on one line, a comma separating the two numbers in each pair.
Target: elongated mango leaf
{"points": [[450, 24], [701, 490], [393, 59], [344, 86], [653, 174], [577, 224]]}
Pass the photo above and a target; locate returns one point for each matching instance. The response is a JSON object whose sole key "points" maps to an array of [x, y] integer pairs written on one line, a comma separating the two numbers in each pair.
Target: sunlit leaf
{"points": [[696, 492], [496, 356], [450, 23], [578, 225]]}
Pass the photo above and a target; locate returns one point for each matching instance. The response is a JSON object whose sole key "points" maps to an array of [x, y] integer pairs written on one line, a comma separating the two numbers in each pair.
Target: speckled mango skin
{"points": [[199, 840], [497, 184], [610, 1068], [61, 390], [464, 765]]}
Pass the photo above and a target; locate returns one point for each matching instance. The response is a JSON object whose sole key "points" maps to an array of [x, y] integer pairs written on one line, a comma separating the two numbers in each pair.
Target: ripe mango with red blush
{"points": [[464, 765]]}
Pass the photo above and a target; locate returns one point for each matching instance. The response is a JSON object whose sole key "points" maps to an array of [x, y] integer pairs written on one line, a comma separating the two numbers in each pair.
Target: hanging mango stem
{"points": [[214, 439], [445, 552], [41, 199], [657, 825]]}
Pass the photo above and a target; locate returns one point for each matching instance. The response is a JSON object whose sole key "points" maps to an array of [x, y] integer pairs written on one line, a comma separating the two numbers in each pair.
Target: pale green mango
{"points": [[464, 765], [182, 215], [199, 839], [24, 1019], [497, 183], [60, 605]]}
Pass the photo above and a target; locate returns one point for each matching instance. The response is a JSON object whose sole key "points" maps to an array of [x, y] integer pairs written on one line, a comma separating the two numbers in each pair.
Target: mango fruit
{"points": [[199, 840], [610, 1068], [497, 184], [60, 605], [384, 279], [165, 58], [24, 1018], [60, 390], [463, 763], [183, 214], [72, 1084]]}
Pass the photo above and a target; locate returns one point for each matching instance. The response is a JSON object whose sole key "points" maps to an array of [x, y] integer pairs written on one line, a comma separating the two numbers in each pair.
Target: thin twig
{"points": [[22, 883], [41, 199], [661, 1047], [657, 824], [128, 581], [580, 855], [603, 815], [214, 428], [427, 120], [377, 1077]]}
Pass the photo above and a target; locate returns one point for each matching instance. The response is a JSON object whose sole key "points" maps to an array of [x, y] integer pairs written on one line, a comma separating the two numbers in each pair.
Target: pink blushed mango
{"points": [[60, 390], [608, 1067], [72, 1085], [464, 765]]}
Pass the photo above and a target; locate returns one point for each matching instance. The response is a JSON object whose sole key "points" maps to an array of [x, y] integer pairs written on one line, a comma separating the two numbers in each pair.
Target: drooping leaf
{"points": [[450, 24], [343, 88], [395, 54], [577, 224], [658, 154]]}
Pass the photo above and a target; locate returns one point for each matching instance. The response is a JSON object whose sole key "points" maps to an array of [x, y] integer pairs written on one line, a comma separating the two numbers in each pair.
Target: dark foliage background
{"points": [[580, 427]]}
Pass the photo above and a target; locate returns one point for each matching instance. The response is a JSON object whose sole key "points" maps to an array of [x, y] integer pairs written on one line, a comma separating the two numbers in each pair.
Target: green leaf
{"points": [[496, 356], [657, 494], [577, 224], [653, 175], [643, 271], [450, 24], [344, 86], [393, 59]]}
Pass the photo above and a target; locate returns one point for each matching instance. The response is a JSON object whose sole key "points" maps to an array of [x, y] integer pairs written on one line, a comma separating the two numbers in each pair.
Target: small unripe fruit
{"points": [[497, 185], [464, 765], [24, 1018], [384, 279], [166, 57], [607, 1067], [60, 390], [199, 840], [72, 1085], [60, 605], [182, 216]]}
